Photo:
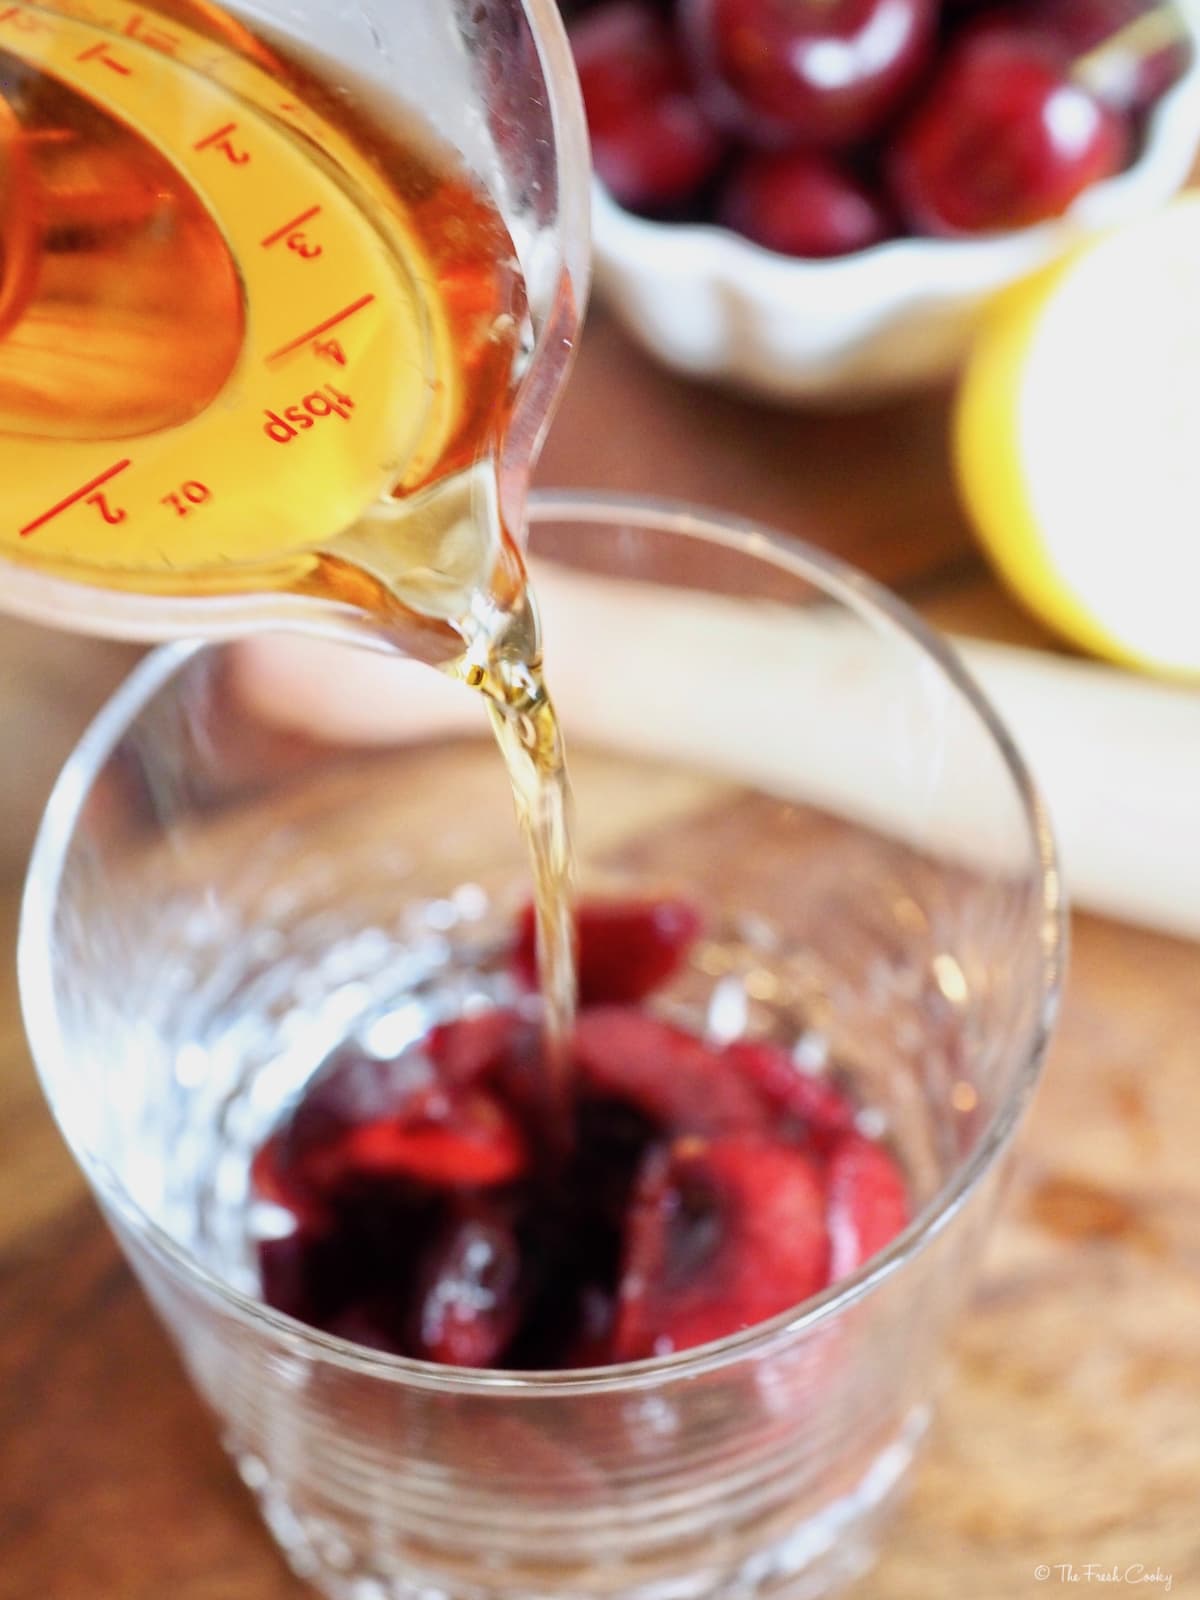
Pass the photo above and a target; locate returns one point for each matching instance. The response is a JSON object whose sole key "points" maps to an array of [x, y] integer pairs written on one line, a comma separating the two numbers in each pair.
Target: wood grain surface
{"points": [[1069, 1432]]}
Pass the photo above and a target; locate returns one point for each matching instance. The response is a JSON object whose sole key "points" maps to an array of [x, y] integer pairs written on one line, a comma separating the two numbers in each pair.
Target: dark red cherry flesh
{"points": [[627, 948], [722, 1233]]}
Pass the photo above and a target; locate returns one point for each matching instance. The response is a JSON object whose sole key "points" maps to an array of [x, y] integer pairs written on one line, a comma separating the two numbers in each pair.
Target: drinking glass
{"points": [[221, 894]]}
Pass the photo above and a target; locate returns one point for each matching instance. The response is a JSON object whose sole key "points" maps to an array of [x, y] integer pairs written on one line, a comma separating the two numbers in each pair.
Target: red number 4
{"points": [[331, 350]]}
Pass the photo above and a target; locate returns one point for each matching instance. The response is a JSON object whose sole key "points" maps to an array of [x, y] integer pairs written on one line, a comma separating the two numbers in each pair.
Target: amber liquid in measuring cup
{"points": [[259, 334]]}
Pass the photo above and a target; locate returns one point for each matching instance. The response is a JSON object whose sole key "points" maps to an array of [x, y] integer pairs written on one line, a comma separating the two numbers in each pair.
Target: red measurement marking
{"points": [[282, 233], [99, 52], [219, 138], [23, 22], [321, 327], [217, 133], [330, 350], [79, 494]]}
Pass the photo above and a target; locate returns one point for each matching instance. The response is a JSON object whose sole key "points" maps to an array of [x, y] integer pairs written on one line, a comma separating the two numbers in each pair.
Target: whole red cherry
{"points": [[816, 72], [1003, 139], [801, 203], [652, 146]]}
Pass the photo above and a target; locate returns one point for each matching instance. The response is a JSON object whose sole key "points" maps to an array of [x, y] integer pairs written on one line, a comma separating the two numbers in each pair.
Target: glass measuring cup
{"points": [[300, 403]]}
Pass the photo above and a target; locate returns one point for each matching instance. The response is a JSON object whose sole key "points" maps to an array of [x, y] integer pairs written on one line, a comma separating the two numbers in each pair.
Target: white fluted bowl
{"points": [[713, 305]]}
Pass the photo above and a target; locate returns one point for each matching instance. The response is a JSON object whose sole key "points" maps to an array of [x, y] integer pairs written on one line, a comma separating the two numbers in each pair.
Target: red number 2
{"points": [[113, 515]]}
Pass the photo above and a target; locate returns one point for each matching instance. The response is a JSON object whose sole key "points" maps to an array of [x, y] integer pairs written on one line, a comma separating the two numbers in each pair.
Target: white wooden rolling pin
{"points": [[1117, 757]]}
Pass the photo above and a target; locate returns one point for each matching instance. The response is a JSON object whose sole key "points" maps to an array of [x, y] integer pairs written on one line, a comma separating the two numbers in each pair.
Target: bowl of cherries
{"points": [[815, 199]]}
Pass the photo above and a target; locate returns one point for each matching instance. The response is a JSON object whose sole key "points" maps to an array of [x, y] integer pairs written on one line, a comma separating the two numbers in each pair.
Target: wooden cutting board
{"points": [[1069, 1431]]}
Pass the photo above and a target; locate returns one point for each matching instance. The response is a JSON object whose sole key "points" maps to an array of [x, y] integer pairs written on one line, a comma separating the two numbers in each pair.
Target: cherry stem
{"points": [[1138, 40]]}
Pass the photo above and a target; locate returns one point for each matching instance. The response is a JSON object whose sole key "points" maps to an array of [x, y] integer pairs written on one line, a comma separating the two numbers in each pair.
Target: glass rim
{"points": [[874, 605]]}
